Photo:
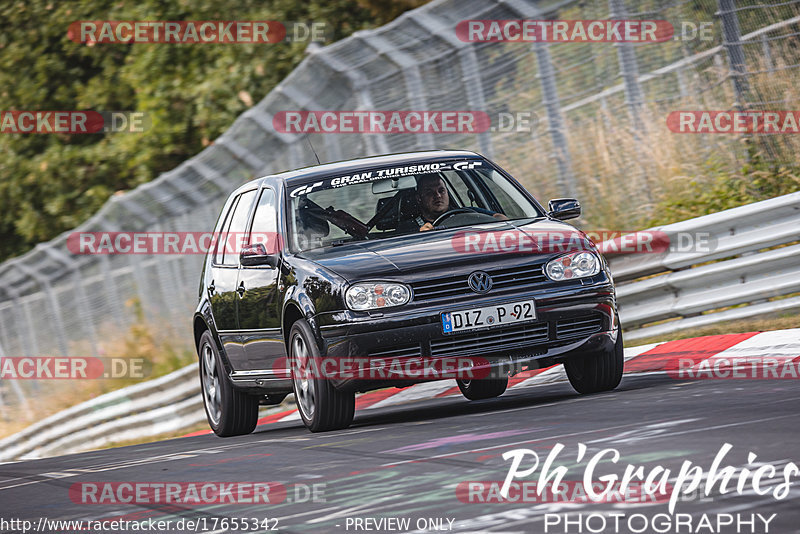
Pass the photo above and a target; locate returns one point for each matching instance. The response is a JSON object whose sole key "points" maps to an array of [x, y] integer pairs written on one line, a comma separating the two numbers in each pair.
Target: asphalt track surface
{"points": [[406, 462]]}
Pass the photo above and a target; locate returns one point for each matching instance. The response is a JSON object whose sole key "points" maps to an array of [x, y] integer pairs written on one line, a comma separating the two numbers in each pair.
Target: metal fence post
{"points": [[547, 79], [410, 69], [111, 290], [634, 97], [14, 385], [25, 332], [733, 45], [57, 321], [81, 299], [470, 72], [373, 144], [767, 53], [629, 70]]}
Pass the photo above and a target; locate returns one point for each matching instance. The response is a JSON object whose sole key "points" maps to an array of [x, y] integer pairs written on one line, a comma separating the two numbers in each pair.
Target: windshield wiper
{"points": [[340, 242]]}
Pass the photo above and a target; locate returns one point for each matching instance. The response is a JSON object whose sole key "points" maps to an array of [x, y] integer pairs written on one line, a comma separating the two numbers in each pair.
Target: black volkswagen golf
{"points": [[392, 270]]}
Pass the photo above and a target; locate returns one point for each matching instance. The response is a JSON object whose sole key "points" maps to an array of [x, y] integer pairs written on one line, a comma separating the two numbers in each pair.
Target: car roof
{"points": [[305, 174]]}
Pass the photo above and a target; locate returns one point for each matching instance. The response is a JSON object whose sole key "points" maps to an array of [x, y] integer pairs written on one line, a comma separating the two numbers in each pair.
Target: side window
{"points": [[234, 237], [507, 196], [266, 218], [265, 222], [505, 200], [222, 233]]}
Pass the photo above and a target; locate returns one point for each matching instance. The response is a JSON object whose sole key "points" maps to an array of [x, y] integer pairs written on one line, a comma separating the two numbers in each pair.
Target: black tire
{"points": [[229, 411], [485, 388], [598, 372], [321, 406]]}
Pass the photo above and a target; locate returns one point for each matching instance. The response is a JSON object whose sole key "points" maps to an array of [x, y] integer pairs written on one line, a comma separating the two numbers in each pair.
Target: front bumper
{"points": [[574, 320]]}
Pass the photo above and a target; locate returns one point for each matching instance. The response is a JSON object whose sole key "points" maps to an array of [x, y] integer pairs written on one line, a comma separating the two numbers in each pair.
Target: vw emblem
{"points": [[480, 282]]}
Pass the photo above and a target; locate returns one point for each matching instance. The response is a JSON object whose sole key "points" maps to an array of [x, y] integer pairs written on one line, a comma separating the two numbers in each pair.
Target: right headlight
{"points": [[573, 265], [376, 295]]}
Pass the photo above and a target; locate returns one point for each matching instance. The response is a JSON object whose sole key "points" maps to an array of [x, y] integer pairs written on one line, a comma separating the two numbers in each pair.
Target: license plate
{"points": [[488, 316]]}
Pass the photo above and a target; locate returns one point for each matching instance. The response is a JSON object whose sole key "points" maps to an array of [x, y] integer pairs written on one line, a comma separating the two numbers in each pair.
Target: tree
{"points": [[191, 93]]}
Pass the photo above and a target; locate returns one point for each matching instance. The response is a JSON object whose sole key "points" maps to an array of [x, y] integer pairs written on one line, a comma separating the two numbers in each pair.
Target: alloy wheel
{"points": [[211, 386], [301, 376]]}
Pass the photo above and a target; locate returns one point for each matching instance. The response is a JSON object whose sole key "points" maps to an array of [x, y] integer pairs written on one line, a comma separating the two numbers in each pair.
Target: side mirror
{"points": [[564, 208], [256, 254]]}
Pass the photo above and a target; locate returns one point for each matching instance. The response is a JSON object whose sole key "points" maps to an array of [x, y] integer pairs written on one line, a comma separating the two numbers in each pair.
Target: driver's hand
{"points": [[500, 217], [425, 227]]}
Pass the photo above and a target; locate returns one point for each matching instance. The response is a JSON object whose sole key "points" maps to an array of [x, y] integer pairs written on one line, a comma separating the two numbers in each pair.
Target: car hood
{"points": [[447, 250]]}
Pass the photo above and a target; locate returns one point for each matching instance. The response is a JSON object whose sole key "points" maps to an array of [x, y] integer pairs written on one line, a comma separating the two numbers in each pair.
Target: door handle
{"points": [[211, 289], [241, 289]]}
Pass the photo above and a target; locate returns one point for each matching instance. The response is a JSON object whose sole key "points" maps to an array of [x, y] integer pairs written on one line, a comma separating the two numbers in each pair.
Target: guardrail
{"points": [[146, 409], [678, 285], [750, 267]]}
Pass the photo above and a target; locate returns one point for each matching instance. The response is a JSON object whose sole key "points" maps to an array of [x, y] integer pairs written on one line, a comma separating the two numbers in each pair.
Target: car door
{"points": [[225, 275], [259, 305]]}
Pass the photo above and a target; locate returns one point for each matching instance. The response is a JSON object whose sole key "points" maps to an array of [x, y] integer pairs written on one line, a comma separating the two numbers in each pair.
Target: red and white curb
{"points": [[781, 345]]}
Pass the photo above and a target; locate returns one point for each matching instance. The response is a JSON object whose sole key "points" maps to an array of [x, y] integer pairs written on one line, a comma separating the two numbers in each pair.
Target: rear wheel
{"points": [[322, 407], [485, 388], [597, 372], [229, 411]]}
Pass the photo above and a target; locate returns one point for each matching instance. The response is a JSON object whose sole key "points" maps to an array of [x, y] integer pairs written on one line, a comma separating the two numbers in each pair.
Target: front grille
{"points": [[455, 286], [579, 327], [402, 351], [509, 338]]}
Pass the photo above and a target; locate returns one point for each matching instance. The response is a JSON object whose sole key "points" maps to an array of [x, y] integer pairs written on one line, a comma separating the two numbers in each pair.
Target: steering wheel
{"points": [[460, 211], [446, 215]]}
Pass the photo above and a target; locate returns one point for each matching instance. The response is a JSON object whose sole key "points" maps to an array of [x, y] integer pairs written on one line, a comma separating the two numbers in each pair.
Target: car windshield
{"points": [[388, 202]]}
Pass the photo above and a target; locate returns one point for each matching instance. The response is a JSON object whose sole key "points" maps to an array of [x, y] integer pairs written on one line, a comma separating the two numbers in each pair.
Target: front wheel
{"points": [[485, 388], [597, 372], [230, 412], [322, 407]]}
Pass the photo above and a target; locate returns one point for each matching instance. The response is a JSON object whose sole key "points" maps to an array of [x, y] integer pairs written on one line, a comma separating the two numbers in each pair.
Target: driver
{"points": [[434, 201]]}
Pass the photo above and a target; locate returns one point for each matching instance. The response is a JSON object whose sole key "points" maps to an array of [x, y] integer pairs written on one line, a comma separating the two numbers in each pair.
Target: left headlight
{"points": [[574, 265], [376, 295]]}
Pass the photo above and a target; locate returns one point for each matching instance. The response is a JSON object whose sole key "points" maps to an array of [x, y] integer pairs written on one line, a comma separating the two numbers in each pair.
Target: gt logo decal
{"points": [[304, 189], [464, 165]]}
